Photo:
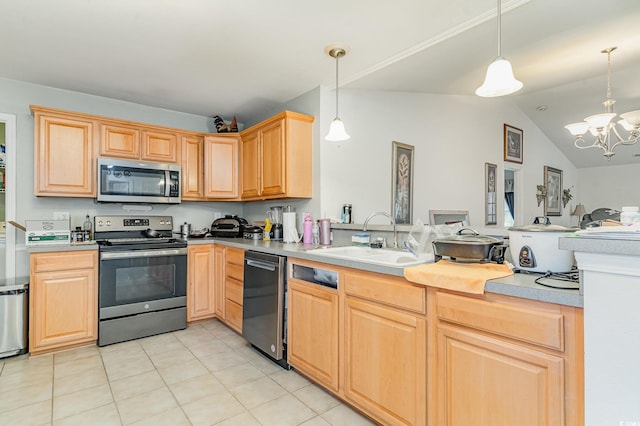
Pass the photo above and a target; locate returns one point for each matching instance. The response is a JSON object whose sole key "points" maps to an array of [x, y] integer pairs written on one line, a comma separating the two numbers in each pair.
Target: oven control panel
{"points": [[133, 223], [136, 222]]}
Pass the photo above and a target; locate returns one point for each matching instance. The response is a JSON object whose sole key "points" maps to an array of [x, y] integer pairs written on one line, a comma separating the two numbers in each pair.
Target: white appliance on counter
{"points": [[535, 248]]}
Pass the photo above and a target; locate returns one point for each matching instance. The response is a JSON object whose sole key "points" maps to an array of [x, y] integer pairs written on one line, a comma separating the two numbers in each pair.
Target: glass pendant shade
{"points": [[337, 131], [632, 117], [625, 125], [499, 80], [578, 129], [599, 121]]}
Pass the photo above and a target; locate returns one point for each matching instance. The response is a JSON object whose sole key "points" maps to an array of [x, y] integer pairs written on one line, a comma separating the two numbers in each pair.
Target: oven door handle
{"points": [[142, 253], [262, 265]]}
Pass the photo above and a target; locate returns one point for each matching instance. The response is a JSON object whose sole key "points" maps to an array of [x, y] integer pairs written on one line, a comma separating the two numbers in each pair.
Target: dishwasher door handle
{"points": [[262, 265]]}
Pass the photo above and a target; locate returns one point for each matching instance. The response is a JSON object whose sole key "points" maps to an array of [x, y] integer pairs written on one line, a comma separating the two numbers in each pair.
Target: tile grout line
{"points": [[228, 390], [113, 398], [165, 382]]}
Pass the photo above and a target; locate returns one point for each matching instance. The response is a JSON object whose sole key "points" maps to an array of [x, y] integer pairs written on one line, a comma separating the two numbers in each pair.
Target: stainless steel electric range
{"points": [[142, 284]]}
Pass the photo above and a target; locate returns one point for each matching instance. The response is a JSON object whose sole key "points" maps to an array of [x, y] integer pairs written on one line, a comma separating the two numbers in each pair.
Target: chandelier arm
{"points": [[579, 140], [631, 140]]}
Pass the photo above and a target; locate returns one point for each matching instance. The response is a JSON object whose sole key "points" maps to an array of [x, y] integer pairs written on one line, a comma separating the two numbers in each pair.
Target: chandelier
{"points": [[602, 127]]}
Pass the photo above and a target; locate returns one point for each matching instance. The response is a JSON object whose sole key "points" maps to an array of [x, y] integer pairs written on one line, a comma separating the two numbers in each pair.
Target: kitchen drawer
{"points": [[233, 289], [233, 315], [235, 271], [235, 256], [392, 291], [63, 261], [526, 324]]}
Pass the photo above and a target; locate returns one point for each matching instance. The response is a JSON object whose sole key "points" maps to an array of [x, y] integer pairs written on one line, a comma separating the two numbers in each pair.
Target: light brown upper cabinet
{"points": [[119, 141], [210, 167], [221, 161], [63, 153], [277, 158], [138, 143], [159, 146], [192, 167]]}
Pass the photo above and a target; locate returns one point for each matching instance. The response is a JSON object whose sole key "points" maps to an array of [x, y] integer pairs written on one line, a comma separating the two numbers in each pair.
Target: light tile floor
{"points": [[204, 375]]}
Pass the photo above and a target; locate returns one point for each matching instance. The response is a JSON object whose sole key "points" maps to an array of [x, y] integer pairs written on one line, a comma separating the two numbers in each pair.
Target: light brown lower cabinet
{"points": [[385, 358], [200, 282], [414, 355], [234, 282], [215, 280], [63, 300], [502, 360], [313, 333], [219, 280]]}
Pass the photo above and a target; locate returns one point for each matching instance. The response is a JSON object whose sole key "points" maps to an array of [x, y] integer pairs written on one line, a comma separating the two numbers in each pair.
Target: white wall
{"points": [[16, 98], [609, 186], [453, 137]]}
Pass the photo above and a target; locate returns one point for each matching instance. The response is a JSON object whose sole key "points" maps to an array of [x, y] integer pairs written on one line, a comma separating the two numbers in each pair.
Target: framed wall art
{"points": [[553, 199], [402, 182], [513, 144], [491, 201]]}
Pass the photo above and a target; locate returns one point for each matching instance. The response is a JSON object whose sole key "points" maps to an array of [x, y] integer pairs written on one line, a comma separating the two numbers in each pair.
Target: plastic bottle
{"points": [[266, 235], [87, 229], [307, 229]]}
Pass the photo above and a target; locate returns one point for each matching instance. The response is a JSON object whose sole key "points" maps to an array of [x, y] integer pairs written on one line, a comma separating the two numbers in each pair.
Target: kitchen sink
{"points": [[378, 256]]}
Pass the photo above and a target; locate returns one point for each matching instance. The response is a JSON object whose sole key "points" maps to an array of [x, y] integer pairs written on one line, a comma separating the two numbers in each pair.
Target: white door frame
{"points": [[11, 143]]}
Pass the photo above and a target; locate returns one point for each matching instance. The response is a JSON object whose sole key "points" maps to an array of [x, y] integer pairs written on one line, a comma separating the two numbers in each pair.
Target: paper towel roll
{"points": [[289, 231]]}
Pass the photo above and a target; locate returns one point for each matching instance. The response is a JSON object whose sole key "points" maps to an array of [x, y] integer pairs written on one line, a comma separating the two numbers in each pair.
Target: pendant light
{"points": [[499, 80], [336, 130]]}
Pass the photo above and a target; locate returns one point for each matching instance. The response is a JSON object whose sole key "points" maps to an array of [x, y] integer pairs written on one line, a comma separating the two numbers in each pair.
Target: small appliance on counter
{"points": [[253, 233], [469, 246], [275, 216], [229, 226], [535, 248]]}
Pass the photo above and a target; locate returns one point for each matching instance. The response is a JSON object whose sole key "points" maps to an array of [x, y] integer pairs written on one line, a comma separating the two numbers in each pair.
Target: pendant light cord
{"points": [[499, 30], [338, 54]]}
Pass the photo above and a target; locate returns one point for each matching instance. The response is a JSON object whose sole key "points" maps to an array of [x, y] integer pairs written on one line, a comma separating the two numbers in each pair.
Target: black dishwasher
{"points": [[263, 308]]}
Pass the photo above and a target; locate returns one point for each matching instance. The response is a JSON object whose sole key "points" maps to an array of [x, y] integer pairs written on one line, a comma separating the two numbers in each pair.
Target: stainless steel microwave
{"points": [[126, 181]]}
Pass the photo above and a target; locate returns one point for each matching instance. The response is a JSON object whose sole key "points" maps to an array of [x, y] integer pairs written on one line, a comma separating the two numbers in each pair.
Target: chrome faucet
{"points": [[393, 222]]}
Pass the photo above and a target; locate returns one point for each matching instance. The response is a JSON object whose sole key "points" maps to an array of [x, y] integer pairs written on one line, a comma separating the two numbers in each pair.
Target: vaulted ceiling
{"points": [[244, 57]]}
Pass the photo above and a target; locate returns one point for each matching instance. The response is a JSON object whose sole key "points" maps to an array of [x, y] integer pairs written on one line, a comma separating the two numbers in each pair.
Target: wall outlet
{"points": [[60, 215]]}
